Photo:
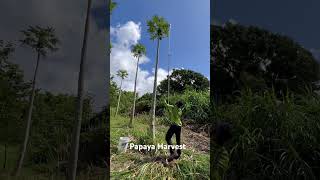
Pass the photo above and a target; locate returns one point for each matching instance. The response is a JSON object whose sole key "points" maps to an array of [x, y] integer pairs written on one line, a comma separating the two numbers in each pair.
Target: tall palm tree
{"points": [[158, 29], [122, 74], [73, 158], [138, 51], [42, 40]]}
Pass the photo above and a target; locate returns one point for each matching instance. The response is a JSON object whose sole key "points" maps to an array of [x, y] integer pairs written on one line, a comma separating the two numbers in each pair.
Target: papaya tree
{"points": [[138, 51], [41, 40], [122, 74], [158, 29]]}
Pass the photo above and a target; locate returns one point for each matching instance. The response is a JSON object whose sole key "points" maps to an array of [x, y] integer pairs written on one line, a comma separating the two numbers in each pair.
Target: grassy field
{"points": [[132, 164], [42, 171]]}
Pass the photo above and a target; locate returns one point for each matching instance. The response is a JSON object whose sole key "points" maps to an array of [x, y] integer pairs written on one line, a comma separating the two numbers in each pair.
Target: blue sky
{"points": [[190, 33]]}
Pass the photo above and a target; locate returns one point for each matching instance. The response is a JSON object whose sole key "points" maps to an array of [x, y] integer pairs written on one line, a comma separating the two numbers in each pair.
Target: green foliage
{"points": [[158, 28], [273, 138], [122, 73], [142, 165], [40, 39], [113, 92], [126, 102], [196, 105], [53, 117], [13, 91], [6, 48], [112, 5], [50, 136], [138, 50], [220, 162], [182, 80], [192, 168], [249, 57], [143, 104], [258, 85]]}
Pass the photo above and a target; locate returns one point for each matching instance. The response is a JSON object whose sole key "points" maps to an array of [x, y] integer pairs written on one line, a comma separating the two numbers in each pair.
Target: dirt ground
{"points": [[199, 141]]}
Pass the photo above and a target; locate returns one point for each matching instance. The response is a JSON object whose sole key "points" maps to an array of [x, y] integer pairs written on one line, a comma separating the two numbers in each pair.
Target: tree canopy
{"points": [[40, 39], [250, 57], [183, 79], [158, 28], [138, 50], [122, 73]]}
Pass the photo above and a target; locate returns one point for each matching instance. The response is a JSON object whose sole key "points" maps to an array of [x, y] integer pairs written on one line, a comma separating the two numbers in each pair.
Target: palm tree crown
{"points": [[122, 74], [158, 27], [138, 50], [40, 39]]}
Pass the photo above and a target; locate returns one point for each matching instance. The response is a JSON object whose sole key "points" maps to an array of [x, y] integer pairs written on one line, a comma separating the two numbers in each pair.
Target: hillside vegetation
{"points": [[264, 86]]}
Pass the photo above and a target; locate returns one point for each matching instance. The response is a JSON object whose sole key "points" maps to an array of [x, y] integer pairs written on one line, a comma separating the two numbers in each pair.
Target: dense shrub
{"points": [[51, 136], [143, 106], [196, 105], [125, 103]]}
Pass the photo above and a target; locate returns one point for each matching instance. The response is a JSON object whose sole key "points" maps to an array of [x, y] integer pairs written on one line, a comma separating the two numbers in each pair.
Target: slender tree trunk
{"points": [[119, 99], [7, 135], [169, 55], [135, 95], [154, 99], [73, 158], [168, 78], [5, 156], [29, 120]]}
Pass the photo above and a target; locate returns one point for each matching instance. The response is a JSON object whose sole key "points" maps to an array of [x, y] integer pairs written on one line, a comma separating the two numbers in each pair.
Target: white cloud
{"points": [[124, 37], [127, 34]]}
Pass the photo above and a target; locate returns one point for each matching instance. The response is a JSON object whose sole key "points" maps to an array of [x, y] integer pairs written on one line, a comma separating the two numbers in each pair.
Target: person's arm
{"points": [[166, 103], [167, 108]]}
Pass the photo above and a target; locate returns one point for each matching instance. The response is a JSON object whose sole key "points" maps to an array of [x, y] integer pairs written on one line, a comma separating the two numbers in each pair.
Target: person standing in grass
{"points": [[173, 114]]}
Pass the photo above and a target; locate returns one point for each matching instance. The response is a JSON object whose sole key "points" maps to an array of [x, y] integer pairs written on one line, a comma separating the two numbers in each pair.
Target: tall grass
{"points": [[273, 138]]}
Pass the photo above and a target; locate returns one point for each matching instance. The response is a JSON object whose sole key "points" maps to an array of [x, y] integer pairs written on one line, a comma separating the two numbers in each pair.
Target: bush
{"points": [[126, 102], [196, 105], [143, 106]]}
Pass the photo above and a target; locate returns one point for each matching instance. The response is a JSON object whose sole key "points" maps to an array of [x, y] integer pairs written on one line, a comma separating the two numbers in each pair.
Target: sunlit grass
{"points": [[142, 165]]}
